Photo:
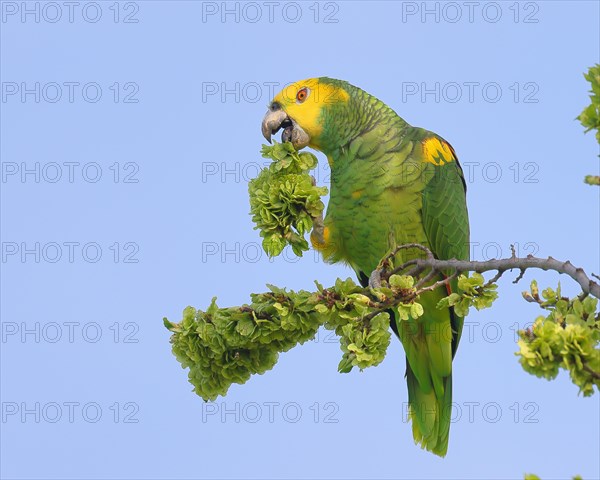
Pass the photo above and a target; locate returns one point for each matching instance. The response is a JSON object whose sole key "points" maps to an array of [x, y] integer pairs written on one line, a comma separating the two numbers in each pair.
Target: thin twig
{"points": [[426, 279], [439, 283], [593, 373], [495, 278], [521, 273]]}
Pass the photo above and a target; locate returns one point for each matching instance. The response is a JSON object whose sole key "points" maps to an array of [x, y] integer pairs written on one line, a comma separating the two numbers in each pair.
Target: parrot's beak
{"points": [[276, 119]]}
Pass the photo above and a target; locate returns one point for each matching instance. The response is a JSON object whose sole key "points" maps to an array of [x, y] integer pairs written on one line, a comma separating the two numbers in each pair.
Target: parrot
{"points": [[391, 184]]}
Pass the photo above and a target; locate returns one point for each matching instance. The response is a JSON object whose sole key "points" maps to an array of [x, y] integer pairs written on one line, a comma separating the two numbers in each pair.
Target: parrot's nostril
{"points": [[274, 107]]}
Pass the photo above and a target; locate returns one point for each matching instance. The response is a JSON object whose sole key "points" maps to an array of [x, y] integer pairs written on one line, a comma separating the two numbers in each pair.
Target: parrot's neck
{"points": [[362, 114]]}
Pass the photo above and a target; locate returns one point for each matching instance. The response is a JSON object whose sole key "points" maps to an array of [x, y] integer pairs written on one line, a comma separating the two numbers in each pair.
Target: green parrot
{"points": [[391, 184]]}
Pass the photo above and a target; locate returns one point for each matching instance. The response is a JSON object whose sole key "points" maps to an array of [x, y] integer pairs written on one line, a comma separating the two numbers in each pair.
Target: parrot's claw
{"points": [[375, 279]]}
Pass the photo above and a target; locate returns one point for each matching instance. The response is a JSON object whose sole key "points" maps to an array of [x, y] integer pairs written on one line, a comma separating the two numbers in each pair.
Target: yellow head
{"points": [[300, 107]]}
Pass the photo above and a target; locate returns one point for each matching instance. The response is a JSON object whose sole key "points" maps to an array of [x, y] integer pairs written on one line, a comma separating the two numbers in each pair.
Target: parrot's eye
{"points": [[302, 95]]}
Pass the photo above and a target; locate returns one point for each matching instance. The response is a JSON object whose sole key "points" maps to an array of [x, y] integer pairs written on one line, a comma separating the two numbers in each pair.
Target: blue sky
{"points": [[129, 132]]}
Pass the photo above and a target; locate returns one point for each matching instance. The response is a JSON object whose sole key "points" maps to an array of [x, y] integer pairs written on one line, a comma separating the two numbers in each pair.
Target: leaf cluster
{"points": [[473, 292], [222, 346], [284, 200], [363, 329], [590, 117], [566, 338]]}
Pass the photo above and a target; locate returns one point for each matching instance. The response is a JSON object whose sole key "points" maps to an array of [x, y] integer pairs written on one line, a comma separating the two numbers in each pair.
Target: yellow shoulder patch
{"points": [[437, 151]]}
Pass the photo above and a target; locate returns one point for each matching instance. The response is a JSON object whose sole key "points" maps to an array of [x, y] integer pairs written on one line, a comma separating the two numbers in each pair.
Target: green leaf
{"points": [[245, 327], [170, 326], [416, 310], [404, 282]]}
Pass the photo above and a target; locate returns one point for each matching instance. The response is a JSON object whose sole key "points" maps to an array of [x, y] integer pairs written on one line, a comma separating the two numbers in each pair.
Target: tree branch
{"points": [[419, 265]]}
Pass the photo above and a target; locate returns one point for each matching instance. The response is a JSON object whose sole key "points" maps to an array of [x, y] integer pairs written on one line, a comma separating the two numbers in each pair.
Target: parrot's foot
{"points": [[375, 279], [318, 232]]}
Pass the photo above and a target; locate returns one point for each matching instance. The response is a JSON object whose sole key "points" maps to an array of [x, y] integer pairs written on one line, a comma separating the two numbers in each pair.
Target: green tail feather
{"points": [[430, 415], [430, 379]]}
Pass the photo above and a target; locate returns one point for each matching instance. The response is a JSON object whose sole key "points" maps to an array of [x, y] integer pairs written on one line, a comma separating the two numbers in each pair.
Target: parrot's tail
{"points": [[430, 414]]}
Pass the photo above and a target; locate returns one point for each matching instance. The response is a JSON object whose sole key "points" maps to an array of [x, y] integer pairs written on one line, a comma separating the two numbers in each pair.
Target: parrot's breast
{"points": [[375, 202]]}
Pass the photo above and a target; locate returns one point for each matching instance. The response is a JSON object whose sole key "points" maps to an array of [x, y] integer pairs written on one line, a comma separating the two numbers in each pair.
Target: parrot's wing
{"points": [[444, 211], [445, 216]]}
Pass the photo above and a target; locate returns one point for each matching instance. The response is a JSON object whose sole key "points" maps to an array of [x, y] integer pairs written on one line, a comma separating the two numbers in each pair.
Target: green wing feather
{"points": [[446, 219], [445, 216]]}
